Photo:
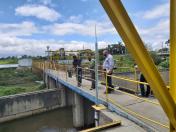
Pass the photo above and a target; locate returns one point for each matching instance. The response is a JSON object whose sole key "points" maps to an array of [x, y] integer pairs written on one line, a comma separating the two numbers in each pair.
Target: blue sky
{"points": [[28, 26]]}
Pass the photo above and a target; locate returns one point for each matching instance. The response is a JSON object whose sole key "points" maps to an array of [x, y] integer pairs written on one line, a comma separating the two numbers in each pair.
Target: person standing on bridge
{"points": [[78, 69], [108, 67], [144, 93], [92, 71]]}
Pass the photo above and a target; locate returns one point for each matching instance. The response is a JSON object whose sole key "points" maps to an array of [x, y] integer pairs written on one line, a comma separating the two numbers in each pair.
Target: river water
{"points": [[9, 66], [60, 120]]}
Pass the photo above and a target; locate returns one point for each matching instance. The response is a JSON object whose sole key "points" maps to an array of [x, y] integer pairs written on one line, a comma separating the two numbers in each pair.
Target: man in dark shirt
{"points": [[144, 93], [78, 69]]}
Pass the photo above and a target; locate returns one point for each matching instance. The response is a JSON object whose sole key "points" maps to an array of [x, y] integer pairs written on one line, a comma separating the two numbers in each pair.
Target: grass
{"points": [[124, 63], [8, 61], [14, 81]]}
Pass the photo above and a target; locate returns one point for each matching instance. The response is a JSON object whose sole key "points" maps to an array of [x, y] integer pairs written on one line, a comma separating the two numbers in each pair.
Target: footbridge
{"points": [[153, 114], [145, 112]]}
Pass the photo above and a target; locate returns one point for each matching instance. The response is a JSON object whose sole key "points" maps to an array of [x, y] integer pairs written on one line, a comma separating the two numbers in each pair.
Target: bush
{"points": [[12, 91], [157, 59], [43, 86], [164, 64]]}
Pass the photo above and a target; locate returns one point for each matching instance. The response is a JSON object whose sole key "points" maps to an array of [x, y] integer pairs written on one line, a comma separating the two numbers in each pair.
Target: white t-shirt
{"points": [[108, 63]]}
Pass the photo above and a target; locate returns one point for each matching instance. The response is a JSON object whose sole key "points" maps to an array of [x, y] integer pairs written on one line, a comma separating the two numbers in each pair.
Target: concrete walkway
{"points": [[146, 109]]}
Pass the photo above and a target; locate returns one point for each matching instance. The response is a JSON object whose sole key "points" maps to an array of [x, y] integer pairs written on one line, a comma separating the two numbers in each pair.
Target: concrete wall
{"points": [[17, 106], [25, 62]]}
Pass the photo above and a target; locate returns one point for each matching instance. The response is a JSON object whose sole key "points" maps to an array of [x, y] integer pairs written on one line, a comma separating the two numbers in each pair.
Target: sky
{"points": [[27, 27]]}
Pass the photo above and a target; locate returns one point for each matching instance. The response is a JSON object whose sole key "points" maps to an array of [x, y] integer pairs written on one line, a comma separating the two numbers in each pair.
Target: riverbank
{"points": [[15, 81]]}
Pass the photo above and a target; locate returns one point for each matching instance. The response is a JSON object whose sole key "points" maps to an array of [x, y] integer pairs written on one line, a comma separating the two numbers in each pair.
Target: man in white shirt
{"points": [[108, 66]]}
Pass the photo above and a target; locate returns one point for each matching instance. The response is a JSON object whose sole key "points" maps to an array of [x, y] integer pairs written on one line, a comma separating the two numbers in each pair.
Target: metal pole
{"points": [[96, 78], [96, 66]]}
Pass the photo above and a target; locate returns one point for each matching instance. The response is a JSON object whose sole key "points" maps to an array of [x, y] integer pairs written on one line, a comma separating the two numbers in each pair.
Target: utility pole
{"points": [[48, 54]]}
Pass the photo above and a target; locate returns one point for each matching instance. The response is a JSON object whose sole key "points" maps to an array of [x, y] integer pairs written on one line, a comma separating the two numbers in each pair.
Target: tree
{"points": [[157, 59]]}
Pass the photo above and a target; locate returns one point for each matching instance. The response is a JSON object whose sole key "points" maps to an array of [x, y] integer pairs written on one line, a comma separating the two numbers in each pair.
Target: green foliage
{"points": [[124, 60], [14, 81], [11, 90], [157, 59], [9, 61], [164, 64]]}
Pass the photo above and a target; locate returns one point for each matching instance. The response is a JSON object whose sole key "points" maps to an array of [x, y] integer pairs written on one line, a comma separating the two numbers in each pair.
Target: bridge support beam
{"points": [[51, 83], [63, 96], [78, 111]]}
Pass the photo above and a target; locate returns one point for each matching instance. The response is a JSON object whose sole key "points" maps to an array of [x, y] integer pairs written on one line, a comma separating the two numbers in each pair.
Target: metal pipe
{"points": [[135, 45], [96, 65], [96, 77]]}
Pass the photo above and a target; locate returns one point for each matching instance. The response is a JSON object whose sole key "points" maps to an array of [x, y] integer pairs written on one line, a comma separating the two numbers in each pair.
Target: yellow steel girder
{"points": [[135, 45], [173, 49], [173, 52]]}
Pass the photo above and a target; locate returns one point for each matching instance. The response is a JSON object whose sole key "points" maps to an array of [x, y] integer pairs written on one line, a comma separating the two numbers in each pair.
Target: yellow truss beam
{"points": [[135, 45], [173, 48], [173, 52]]}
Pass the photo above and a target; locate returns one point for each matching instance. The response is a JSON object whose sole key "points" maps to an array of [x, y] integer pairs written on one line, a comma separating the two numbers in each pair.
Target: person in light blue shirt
{"points": [[108, 67]]}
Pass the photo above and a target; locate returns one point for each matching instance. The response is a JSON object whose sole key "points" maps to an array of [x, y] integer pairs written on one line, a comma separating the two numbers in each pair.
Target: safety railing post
{"points": [[66, 72], [136, 78], [106, 77]]}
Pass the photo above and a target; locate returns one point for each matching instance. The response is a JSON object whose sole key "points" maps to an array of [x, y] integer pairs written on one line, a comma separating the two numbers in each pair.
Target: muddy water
{"points": [[59, 120]]}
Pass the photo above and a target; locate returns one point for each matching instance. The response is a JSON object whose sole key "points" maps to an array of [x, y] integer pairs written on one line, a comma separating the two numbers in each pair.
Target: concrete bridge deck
{"points": [[148, 115]]}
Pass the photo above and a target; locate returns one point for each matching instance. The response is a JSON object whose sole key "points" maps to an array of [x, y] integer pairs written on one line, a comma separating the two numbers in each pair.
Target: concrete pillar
{"points": [[63, 97], [88, 113], [45, 79], [69, 97], [51, 83], [78, 111]]}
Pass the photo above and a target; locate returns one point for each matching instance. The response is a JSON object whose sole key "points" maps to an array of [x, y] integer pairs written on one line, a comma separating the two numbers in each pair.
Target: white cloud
{"points": [[157, 12], [13, 46], [39, 11], [25, 28], [156, 34], [46, 2], [87, 28], [76, 19]]}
